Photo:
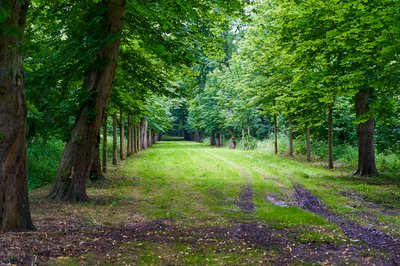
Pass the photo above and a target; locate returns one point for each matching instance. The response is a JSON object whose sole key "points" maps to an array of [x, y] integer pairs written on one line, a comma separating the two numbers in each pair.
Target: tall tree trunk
{"points": [[105, 142], [14, 205], [290, 138], [243, 140], [275, 135], [330, 137], [122, 135], [135, 139], [114, 162], [150, 140], [308, 144], [139, 137], [212, 140], [232, 143], [129, 138], [223, 140], [143, 133], [218, 141], [248, 138], [95, 173], [365, 134], [70, 184]]}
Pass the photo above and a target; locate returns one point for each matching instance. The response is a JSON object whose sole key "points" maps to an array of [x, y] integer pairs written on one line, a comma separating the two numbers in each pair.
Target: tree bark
{"points": [[290, 138], [275, 135], [212, 140], [330, 138], [308, 144], [232, 142], [129, 138], [105, 142], [143, 133], [243, 140], [122, 135], [73, 172], [96, 173], [14, 205], [135, 139], [218, 139], [114, 162], [365, 134], [248, 139], [150, 140], [139, 137]]}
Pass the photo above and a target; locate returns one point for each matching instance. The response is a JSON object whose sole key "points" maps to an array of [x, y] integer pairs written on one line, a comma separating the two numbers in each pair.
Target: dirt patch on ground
{"points": [[371, 236], [73, 238], [246, 200], [274, 199], [66, 238], [363, 202]]}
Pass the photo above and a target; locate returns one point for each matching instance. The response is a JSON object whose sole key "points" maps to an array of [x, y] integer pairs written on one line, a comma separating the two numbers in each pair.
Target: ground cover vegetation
{"points": [[290, 87], [244, 208]]}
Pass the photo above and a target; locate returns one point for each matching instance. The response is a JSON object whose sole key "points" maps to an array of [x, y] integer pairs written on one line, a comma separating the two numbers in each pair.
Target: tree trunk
{"points": [[114, 162], [243, 140], [122, 135], [150, 140], [275, 135], [129, 138], [73, 172], [218, 139], [14, 205], [212, 140], [135, 139], [365, 134], [308, 144], [105, 142], [139, 137], [290, 138], [95, 173], [143, 133], [232, 143], [330, 138], [248, 139]]}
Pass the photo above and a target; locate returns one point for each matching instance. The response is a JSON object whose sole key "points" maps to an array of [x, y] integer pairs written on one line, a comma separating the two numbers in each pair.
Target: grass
{"points": [[194, 186]]}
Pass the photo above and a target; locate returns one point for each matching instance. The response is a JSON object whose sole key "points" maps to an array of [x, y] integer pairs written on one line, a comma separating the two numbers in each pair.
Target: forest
{"points": [[162, 132]]}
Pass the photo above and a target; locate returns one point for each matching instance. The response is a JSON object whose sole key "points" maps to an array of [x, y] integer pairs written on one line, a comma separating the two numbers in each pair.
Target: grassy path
{"points": [[184, 203]]}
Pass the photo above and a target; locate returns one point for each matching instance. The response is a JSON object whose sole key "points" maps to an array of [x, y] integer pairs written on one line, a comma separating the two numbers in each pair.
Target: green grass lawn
{"points": [[197, 188]]}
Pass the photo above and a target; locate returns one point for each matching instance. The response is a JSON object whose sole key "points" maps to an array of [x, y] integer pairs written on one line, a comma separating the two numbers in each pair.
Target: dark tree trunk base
{"points": [[366, 138]]}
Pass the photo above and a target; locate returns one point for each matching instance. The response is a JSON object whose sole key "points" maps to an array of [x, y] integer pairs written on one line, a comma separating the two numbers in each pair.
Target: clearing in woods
{"points": [[184, 203]]}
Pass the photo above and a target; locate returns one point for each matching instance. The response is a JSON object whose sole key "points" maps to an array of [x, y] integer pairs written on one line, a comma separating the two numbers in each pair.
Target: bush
{"points": [[43, 160]]}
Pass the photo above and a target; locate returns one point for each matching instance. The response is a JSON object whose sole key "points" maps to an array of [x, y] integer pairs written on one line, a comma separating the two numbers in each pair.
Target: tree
{"points": [[14, 205], [73, 172]]}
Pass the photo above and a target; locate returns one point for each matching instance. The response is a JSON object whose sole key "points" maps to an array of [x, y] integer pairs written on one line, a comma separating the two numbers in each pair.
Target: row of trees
{"points": [[309, 64], [71, 68]]}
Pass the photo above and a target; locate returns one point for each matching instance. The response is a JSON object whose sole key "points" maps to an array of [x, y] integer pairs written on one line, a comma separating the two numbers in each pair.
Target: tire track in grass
{"points": [[371, 236], [246, 196]]}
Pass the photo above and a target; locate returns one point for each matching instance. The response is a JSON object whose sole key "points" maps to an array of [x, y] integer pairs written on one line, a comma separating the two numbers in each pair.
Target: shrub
{"points": [[43, 160]]}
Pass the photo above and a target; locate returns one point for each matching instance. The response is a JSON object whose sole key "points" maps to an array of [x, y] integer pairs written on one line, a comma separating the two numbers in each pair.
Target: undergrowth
{"points": [[43, 156], [345, 154]]}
